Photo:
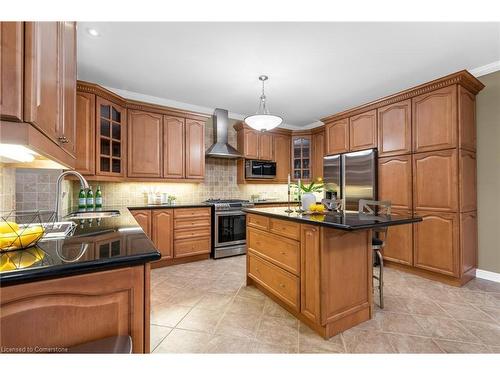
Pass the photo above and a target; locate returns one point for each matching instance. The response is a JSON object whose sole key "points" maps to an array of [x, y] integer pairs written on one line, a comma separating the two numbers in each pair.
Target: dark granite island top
{"points": [[344, 221], [96, 245]]}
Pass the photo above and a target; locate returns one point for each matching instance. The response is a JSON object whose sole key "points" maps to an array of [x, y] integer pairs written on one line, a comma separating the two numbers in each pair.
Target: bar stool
{"points": [[377, 208]]}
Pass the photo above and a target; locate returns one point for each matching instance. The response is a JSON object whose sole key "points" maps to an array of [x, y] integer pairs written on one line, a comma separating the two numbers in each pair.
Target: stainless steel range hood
{"points": [[221, 148]]}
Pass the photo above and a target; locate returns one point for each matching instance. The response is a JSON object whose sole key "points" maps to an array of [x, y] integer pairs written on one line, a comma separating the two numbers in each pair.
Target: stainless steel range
{"points": [[228, 227]]}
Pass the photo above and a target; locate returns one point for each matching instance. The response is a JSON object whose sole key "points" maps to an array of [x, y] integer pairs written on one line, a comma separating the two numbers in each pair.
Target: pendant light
{"points": [[263, 120]]}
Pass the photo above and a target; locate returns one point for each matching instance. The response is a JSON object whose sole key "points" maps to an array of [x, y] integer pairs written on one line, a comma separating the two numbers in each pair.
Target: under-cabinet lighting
{"points": [[93, 32], [16, 153]]}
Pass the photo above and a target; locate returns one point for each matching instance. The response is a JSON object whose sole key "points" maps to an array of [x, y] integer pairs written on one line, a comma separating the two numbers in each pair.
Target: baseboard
{"points": [[488, 275]]}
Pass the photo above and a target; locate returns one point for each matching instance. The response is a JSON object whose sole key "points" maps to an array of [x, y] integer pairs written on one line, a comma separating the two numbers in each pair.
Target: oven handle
{"points": [[229, 213]]}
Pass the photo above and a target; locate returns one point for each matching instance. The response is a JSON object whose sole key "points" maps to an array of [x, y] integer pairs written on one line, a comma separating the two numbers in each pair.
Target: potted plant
{"points": [[308, 197]]}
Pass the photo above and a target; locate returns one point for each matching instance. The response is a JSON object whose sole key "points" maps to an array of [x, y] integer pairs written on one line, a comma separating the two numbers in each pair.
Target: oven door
{"points": [[230, 228]]}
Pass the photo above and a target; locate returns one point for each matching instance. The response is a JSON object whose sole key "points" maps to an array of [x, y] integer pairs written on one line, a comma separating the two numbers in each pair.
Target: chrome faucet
{"points": [[83, 182]]}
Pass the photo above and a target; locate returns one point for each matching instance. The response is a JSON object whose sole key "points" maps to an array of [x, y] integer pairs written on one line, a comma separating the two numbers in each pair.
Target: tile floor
{"points": [[205, 307]]}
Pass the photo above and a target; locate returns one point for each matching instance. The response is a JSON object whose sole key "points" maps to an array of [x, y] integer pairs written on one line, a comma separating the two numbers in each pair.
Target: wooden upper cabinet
{"points": [[436, 242], [266, 146], [111, 138], [11, 70], [394, 129], [318, 153], [162, 232], [282, 156], [68, 122], [337, 137], [435, 181], [468, 181], [434, 120], [173, 147], [467, 119], [395, 180], [144, 144], [195, 149], [42, 79], [363, 131], [251, 144], [143, 218], [399, 244], [85, 133]]}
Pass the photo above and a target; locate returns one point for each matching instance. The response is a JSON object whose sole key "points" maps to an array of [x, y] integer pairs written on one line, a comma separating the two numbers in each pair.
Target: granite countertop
{"points": [[345, 221], [96, 245], [177, 205]]}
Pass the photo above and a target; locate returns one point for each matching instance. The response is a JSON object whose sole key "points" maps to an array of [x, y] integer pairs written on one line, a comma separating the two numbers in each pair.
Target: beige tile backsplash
{"points": [[7, 188]]}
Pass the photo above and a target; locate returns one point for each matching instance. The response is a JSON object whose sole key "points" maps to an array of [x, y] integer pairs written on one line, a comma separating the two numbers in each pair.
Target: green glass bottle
{"points": [[98, 197], [90, 199], [82, 200]]}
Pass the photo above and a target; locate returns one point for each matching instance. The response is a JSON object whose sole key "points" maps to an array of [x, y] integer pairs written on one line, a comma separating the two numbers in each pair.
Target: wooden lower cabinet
{"points": [[310, 293], [177, 233], [468, 242], [69, 311], [399, 242], [436, 242], [162, 223]]}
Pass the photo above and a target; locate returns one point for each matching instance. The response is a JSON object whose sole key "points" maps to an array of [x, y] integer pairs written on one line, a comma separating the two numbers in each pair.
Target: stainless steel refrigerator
{"points": [[351, 176]]}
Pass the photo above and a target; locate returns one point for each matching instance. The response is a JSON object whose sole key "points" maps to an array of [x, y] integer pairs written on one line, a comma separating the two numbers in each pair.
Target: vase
{"points": [[307, 200]]}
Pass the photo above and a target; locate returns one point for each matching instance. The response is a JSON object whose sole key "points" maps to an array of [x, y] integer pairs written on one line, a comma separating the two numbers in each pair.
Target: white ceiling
{"points": [[315, 69]]}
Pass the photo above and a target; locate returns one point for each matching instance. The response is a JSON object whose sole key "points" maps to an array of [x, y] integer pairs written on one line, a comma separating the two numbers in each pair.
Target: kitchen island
{"points": [[85, 287], [318, 267]]}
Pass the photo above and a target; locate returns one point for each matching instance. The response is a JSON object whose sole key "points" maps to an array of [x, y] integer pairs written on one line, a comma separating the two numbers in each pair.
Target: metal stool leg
{"points": [[381, 278]]}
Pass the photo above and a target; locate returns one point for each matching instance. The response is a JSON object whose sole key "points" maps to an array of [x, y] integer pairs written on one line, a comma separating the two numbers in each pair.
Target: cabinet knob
{"points": [[63, 139], [282, 285], [282, 253]]}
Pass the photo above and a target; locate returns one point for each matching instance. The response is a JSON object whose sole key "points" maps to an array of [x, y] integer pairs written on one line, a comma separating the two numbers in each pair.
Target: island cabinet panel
{"points": [[467, 181], [279, 282], [173, 147], [346, 276], [69, 311], [394, 129], [435, 181], [266, 146], [143, 218], [436, 242], [467, 119], [310, 293], [162, 230], [258, 221], [144, 144], [285, 228], [282, 156], [395, 180], [11, 70], [85, 133], [399, 241], [337, 137], [318, 153], [281, 251], [434, 120], [195, 149], [363, 131], [42, 80]]}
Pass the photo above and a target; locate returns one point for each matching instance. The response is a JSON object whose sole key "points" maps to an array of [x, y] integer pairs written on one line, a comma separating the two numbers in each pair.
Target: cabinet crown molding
{"points": [[463, 78]]}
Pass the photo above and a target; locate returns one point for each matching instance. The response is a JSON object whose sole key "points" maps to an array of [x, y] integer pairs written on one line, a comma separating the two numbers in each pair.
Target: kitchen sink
{"points": [[93, 214]]}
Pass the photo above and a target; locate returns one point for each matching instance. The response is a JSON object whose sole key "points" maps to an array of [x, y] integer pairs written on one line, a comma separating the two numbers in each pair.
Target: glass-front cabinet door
{"points": [[301, 161], [111, 139]]}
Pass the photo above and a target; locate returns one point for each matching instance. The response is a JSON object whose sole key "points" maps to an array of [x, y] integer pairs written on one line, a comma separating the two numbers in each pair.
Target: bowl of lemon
{"points": [[20, 230]]}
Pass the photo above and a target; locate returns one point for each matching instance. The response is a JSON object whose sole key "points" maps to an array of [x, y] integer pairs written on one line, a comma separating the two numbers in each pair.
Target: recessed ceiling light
{"points": [[93, 32]]}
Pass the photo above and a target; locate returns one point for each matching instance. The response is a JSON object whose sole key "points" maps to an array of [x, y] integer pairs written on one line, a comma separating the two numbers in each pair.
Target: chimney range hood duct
{"points": [[221, 148]]}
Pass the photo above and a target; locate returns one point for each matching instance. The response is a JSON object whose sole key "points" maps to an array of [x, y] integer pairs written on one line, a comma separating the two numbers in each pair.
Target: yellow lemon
{"points": [[317, 208], [8, 226]]}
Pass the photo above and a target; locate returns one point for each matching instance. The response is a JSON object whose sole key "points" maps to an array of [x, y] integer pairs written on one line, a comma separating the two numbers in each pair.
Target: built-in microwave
{"points": [[260, 169]]}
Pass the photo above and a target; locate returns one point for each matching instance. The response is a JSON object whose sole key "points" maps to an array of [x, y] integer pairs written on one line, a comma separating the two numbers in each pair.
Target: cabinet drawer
{"points": [[281, 251], [258, 221], [285, 228], [184, 248], [180, 234], [182, 213], [192, 223], [279, 282]]}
